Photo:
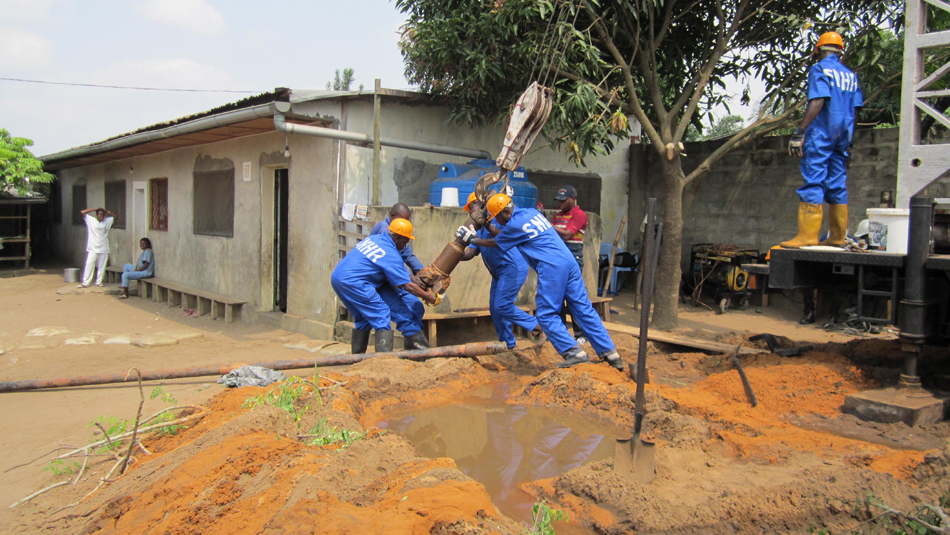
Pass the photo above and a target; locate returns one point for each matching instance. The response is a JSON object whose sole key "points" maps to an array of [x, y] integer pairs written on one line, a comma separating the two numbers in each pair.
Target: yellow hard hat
{"points": [[402, 227], [497, 203], [471, 198], [829, 38]]}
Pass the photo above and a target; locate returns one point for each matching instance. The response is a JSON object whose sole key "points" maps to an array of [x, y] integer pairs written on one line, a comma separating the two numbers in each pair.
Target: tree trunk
{"points": [[669, 271]]}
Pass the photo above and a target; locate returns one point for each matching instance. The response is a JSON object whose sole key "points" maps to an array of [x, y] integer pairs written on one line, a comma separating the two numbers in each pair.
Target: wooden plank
{"points": [[660, 336]]}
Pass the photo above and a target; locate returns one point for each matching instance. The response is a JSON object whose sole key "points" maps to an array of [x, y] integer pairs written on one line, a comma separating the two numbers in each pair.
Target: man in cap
{"points": [[367, 280], [401, 211], [508, 272], [559, 278], [823, 141], [570, 223]]}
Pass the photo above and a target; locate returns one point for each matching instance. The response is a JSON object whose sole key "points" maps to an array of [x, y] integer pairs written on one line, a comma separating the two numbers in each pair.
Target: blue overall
{"points": [[412, 302], [828, 137], [508, 273], [366, 281], [559, 279]]}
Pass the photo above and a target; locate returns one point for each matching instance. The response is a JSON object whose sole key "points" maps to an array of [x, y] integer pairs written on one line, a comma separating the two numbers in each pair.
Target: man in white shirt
{"points": [[97, 243]]}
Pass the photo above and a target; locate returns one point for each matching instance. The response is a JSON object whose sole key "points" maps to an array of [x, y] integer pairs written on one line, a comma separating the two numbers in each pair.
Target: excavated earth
{"points": [[792, 463]]}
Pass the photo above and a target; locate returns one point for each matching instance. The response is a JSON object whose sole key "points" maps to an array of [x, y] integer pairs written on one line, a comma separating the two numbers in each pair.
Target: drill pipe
{"points": [[440, 269], [466, 350]]}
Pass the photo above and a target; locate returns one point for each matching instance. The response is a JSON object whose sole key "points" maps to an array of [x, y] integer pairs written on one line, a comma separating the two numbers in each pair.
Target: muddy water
{"points": [[503, 445]]}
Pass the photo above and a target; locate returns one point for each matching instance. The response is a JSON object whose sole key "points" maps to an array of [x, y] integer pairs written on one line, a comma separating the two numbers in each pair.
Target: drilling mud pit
{"points": [[722, 466]]}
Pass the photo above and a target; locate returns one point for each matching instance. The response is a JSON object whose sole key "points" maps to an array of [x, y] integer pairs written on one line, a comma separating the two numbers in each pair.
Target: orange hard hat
{"points": [[497, 203], [401, 227], [471, 198], [829, 38]]}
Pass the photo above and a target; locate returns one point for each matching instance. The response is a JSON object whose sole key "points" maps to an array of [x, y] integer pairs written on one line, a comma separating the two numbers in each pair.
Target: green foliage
{"points": [[113, 426], [284, 397], [325, 435], [58, 467], [342, 82], [165, 416], [19, 169], [724, 127], [543, 517], [619, 55], [887, 521]]}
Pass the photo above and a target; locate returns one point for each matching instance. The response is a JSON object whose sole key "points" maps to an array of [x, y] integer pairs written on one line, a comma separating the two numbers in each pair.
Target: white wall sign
{"points": [[247, 171]]}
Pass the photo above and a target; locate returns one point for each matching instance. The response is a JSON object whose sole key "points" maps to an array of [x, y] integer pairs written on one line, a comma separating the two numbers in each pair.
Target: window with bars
{"points": [[214, 203], [79, 203], [115, 201], [158, 201]]}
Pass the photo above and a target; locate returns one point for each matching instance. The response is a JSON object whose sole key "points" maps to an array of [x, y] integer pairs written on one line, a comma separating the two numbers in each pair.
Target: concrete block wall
{"points": [[749, 197]]}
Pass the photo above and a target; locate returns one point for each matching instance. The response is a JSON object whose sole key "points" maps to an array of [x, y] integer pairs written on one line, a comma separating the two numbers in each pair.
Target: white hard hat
{"points": [[873, 230]]}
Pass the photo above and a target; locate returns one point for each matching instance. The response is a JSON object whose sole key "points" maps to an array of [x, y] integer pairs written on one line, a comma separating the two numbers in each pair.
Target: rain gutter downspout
{"points": [[355, 137], [221, 119]]}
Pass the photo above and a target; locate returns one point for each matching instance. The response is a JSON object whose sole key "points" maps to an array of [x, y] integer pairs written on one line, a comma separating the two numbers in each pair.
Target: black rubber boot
{"points": [[808, 318], [573, 357], [359, 341], [613, 358], [417, 341], [384, 341]]}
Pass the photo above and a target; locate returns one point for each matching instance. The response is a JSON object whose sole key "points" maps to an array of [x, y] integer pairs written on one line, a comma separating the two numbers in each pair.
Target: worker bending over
{"points": [[508, 272], [401, 211], [367, 280], [823, 141], [559, 278]]}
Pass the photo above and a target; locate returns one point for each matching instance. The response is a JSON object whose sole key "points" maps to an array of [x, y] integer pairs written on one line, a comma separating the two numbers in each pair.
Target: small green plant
{"points": [[323, 434], [58, 467], [159, 392], [113, 426], [283, 397], [543, 517]]}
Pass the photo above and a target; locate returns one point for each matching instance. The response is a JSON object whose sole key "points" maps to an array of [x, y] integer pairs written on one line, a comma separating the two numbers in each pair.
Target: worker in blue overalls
{"points": [[559, 278], [401, 211], [367, 280], [823, 141], [508, 272]]}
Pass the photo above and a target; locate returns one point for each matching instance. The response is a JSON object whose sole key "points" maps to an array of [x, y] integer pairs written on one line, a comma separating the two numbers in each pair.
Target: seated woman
{"points": [[144, 269]]}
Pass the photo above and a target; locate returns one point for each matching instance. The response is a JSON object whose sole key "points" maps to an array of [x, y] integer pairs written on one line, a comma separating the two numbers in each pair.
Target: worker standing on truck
{"points": [[571, 225], [823, 141], [367, 280], [559, 277], [401, 211], [508, 272]]}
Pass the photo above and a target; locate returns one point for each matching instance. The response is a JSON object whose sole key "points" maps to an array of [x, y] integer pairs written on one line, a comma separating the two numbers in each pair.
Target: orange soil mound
{"points": [[787, 389]]}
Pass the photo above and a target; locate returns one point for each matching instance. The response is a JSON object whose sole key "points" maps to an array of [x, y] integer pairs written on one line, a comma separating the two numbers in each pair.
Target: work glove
{"points": [[438, 301], [795, 144], [466, 234]]}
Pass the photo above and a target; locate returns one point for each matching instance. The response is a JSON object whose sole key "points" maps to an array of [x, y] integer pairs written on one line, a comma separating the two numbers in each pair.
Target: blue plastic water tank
{"points": [[464, 176]]}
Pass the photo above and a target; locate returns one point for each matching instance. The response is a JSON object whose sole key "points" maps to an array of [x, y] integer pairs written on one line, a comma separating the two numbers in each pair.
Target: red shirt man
{"points": [[571, 222]]}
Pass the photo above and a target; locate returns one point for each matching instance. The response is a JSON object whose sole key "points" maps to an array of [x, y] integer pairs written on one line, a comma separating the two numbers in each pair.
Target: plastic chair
{"points": [[605, 250]]}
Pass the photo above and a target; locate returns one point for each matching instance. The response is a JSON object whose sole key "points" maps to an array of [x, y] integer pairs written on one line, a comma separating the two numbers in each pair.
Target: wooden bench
{"points": [[113, 275], [431, 319], [179, 295]]}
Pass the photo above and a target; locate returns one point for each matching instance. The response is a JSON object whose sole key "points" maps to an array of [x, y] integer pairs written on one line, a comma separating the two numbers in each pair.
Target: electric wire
{"points": [[131, 87]]}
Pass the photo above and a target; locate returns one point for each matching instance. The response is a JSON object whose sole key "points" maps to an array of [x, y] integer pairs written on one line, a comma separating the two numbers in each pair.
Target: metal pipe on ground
{"points": [[466, 350]]}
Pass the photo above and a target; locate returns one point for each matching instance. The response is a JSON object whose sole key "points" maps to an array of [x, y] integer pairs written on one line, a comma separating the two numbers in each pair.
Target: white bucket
{"points": [[897, 221], [71, 274], [450, 197]]}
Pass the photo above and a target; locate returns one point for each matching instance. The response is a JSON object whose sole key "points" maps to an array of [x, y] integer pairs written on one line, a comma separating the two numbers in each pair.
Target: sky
{"points": [[237, 45]]}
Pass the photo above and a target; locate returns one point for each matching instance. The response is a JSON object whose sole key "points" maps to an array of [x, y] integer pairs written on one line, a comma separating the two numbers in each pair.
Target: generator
{"points": [[716, 268]]}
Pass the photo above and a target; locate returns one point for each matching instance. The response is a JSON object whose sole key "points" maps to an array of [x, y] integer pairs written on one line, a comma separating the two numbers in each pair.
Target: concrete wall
{"points": [[433, 229], [405, 175], [749, 198]]}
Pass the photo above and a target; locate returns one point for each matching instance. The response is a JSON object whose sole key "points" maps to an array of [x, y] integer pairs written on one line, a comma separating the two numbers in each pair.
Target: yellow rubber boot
{"points": [[838, 224], [809, 224]]}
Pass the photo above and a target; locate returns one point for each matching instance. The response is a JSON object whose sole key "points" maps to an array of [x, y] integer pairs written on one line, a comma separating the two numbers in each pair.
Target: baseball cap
{"points": [[565, 193]]}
